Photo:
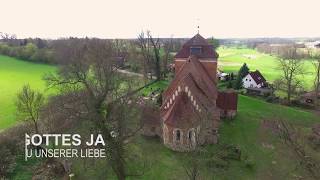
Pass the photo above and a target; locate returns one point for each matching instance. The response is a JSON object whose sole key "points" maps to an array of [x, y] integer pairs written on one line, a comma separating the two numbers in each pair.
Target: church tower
{"points": [[189, 115], [205, 53]]}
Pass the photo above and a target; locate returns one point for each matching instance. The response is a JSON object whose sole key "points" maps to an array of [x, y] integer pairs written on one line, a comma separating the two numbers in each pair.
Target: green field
{"points": [[13, 75], [271, 159], [244, 131], [231, 59]]}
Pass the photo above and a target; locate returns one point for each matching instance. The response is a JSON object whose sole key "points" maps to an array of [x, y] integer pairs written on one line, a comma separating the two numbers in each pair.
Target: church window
{"points": [[178, 135], [195, 50], [190, 135]]}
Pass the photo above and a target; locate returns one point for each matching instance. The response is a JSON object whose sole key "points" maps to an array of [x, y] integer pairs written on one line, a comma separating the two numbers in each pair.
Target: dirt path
{"points": [[129, 73]]}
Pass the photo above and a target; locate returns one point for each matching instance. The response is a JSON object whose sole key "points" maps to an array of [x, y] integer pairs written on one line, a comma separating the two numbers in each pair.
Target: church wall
{"points": [[209, 127], [228, 113], [185, 143]]}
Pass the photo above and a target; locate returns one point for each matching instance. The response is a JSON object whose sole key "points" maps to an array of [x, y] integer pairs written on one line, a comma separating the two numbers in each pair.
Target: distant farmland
{"points": [[231, 59], [14, 74]]}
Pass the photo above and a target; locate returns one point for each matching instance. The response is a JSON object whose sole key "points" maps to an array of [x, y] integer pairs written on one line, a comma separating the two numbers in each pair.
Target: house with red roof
{"points": [[192, 105], [254, 80]]}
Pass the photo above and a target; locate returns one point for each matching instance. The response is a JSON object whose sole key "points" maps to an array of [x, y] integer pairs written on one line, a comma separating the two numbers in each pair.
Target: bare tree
{"points": [[103, 97], [192, 166], [293, 138], [291, 65], [145, 47], [316, 63], [29, 104], [167, 46], [156, 50], [150, 48], [120, 46]]}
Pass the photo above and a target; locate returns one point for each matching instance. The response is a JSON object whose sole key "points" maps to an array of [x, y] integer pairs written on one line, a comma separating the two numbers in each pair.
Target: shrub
{"points": [[249, 162], [7, 161], [4, 49], [11, 144]]}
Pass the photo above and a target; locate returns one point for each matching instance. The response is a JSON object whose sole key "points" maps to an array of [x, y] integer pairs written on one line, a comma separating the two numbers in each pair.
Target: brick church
{"points": [[192, 105]]}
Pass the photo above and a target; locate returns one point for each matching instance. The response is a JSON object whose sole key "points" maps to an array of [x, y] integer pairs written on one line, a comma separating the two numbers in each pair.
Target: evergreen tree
{"points": [[244, 70], [229, 85]]}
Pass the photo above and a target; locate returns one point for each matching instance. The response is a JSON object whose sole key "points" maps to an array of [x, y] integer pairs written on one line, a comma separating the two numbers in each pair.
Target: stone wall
{"points": [[228, 113], [179, 139]]}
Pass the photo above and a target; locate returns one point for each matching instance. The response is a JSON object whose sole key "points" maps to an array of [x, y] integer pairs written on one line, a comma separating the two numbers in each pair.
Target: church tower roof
{"points": [[198, 46]]}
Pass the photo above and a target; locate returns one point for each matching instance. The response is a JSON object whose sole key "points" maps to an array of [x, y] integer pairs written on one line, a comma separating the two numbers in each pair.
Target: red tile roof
{"points": [[200, 78], [207, 50], [202, 88], [257, 77]]}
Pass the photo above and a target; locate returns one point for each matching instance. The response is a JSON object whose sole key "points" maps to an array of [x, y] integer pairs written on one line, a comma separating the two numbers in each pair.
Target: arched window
{"points": [[190, 135], [178, 135]]}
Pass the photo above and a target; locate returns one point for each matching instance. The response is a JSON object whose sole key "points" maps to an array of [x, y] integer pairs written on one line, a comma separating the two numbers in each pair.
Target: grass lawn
{"points": [[244, 131], [156, 87], [14, 74], [231, 59]]}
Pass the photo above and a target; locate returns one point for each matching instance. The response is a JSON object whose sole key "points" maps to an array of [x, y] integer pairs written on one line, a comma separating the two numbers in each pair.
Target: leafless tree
{"points": [[103, 97], [293, 138], [167, 46], [145, 46], [29, 103], [150, 48], [192, 166], [316, 63], [7, 37], [291, 65], [120, 46]]}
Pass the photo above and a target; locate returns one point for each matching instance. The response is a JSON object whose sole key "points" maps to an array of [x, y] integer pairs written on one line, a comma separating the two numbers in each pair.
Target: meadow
{"points": [[14, 74], [232, 58], [270, 158]]}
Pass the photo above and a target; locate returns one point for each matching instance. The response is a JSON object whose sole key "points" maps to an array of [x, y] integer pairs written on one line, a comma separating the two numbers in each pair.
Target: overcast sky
{"points": [[165, 18]]}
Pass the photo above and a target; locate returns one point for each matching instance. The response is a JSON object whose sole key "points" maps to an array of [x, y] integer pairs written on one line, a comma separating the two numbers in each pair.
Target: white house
{"points": [[254, 80]]}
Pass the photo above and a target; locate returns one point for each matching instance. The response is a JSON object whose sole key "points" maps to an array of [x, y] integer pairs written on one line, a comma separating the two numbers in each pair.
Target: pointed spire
{"points": [[198, 26]]}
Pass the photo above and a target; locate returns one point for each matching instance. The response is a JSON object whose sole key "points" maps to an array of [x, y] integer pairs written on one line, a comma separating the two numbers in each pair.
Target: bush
{"points": [[11, 144], [216, 162], [249, 162], [272, 99], [4, 49], [29, 52], [42, 55], [25, 52], [7, 160]]}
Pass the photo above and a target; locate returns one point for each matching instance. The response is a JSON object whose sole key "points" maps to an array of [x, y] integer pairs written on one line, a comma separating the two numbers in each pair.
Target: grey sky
{"points": [[126, 18]]}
